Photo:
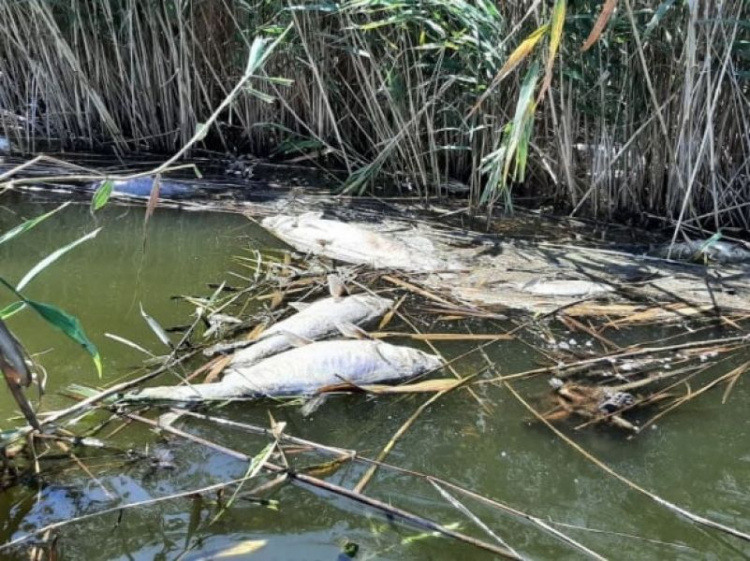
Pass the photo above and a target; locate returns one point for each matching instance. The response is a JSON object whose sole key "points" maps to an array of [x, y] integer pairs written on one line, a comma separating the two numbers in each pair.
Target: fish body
{"points": [[317, 321], [304, 370], [569, 288], [311, 233]]}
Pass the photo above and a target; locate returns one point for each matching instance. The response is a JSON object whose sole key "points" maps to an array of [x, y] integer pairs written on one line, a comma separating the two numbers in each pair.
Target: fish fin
{"points": [[313, 404], [352, 331], [299, 306], [294, 339], [336, 286]]}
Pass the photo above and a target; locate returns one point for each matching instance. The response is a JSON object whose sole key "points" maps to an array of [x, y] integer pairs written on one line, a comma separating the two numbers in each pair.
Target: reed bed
{"points": [[651, 121]]}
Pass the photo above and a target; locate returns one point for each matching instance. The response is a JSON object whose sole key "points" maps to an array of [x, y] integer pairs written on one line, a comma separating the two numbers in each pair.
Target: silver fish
{"points": [[304, 370], [570, 288], [316, 321], [351, 243]]}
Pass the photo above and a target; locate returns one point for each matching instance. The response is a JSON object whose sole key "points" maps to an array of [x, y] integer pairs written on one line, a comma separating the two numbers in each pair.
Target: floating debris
{"points": [[592, 402]]}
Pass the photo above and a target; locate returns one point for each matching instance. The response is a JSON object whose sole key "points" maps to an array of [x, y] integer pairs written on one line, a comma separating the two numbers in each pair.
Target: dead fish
{"points": [[311, 233], [570, 288], [313, 322], [703, 250], [304, 370]]}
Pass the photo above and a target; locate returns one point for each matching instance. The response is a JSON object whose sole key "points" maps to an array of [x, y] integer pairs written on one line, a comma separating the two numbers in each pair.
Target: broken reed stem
{"points": [[558, 368], [55, 416], [353, 456], [732, 375], [359, 487], [601, 465], [311, 481]]}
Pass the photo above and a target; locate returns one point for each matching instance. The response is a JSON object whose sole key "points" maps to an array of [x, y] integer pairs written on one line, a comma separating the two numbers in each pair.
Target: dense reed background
{"points": [[652, 119]]}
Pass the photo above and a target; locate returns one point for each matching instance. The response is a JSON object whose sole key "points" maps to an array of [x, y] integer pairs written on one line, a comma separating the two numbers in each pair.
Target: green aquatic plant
{"points": [[14, 360]]}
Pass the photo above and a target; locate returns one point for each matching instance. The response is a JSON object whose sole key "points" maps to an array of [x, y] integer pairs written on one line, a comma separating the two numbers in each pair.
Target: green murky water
{"points": [[699, 457]]}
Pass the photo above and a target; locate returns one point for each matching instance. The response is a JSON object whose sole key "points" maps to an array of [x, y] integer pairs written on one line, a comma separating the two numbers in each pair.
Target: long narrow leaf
{"points": [[555, 38], [102, 195], [517, 57], [524, 111], [158, 330], [601, 23], [29, 224], [69, 325], [63, 321], [52, 257]]}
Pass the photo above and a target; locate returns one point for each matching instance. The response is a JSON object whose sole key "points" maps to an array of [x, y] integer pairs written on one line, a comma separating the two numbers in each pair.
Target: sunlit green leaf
{"points": [[52, 257], [69, 325], [11, 309], [102, 194], [28, 225]]}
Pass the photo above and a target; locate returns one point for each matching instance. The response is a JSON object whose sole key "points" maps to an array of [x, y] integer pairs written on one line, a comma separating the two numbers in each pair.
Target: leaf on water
{"points": [[28, 225], [425, 535], [69, 325], [129, 343], [238, 550], [601, 23], [102, 194], [52, 257], [158, 330]]}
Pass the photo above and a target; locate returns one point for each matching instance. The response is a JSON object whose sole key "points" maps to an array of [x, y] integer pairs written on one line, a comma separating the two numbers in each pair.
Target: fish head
{"points": [[408, 360]]}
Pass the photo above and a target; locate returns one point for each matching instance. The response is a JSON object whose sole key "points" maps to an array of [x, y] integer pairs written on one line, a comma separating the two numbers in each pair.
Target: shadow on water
{"points": [[697, 457]]}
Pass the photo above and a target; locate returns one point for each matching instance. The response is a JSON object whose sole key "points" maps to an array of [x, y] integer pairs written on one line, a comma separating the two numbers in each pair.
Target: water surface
{"points": [[697, 457]]}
